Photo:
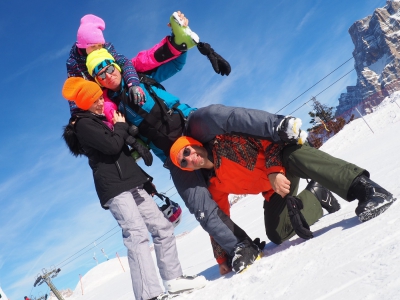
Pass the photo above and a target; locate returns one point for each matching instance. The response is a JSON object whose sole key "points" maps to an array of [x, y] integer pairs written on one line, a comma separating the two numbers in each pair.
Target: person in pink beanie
{"points": [[89, 38], [90, 33]]}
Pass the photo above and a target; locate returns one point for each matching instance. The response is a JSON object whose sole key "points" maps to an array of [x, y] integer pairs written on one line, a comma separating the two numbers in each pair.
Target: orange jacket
{"points": [[242, 166]]}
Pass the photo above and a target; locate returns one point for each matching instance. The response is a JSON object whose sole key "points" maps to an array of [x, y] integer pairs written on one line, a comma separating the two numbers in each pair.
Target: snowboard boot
{"points": [[184, 284], [245, 254], [183, 37], [324, 196], [289, 131], [373, 199]]}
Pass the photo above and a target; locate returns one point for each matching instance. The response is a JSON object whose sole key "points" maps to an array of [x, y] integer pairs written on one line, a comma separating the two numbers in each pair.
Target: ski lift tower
{"points": [[41, 297], [46, 277]]}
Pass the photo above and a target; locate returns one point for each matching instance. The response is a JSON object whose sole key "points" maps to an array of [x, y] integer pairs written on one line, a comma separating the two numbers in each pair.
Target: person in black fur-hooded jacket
{"points": [[119, 183]]}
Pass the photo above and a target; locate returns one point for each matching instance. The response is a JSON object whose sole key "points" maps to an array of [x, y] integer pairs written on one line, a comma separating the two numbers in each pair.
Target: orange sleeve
{"points": [[221, 198], [273, 160]]}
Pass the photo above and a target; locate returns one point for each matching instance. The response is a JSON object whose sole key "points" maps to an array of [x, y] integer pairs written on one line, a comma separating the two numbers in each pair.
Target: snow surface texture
{"points": [[344, 260]]}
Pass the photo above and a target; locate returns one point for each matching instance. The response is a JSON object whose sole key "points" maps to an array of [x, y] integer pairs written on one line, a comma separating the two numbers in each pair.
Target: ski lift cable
{"points": [[314, 85], [88, 245], [59, 264], [322, 91], [89, 249]]}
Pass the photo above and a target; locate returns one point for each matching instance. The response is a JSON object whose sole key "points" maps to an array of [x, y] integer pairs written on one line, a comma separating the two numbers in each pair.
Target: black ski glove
{"points": [[150, 188], [259, 244], [219, 64], [143, 151], [297, 219], [137, 95], [133, 130]]}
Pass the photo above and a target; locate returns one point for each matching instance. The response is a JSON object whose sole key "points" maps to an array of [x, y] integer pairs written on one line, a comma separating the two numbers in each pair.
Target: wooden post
{"points": [[120, 262], [80, 279]]}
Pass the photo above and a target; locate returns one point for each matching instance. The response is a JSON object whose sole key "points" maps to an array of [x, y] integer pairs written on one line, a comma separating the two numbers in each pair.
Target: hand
{"points": [[118, 117], [143, 151], [219, 64], [297, 219], [280, 184], [224, 268], [137, 95]]}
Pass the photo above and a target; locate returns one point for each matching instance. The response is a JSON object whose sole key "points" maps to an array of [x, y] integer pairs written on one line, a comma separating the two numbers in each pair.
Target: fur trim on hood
{"points": [[71, 140]]}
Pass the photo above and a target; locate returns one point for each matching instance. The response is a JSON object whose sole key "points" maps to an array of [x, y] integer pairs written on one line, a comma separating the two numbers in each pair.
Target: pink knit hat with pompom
{"points": [[90, 31]]}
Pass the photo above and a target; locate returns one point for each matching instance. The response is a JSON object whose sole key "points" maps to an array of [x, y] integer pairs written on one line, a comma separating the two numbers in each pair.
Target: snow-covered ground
{"points": [[346, 259]]}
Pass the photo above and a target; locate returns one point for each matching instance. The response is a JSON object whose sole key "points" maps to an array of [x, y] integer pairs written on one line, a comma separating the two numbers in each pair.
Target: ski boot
{"points": [[185, 284], [245, 254], [289, 131], [324, 196], [373, 199], [183, 37]]}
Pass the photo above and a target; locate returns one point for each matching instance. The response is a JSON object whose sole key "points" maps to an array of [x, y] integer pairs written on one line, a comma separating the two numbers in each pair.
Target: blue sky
{"points": [[49, 208]]}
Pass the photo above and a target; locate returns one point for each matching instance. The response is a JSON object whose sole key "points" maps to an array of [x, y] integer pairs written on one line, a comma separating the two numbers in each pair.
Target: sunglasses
{"points": [[186, 153], [109, 70]]}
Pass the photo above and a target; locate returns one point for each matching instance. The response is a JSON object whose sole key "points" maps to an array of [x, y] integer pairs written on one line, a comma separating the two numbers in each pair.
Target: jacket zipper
{"points": [[119, 169]]}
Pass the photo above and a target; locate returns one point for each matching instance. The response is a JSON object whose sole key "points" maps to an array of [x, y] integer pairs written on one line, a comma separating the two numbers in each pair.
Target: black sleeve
{"points": [[94, 134]]}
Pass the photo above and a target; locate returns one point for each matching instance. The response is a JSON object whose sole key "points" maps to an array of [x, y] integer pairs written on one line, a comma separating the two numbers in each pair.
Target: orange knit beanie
{"points": [[179, 144], [82, 91]]}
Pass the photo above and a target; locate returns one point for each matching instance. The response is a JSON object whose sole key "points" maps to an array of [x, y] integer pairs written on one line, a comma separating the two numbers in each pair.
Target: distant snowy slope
{"points": [[3, 295], [345, 259]]}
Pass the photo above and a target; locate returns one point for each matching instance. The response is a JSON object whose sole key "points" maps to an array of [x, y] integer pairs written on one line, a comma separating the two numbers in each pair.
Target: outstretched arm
{"points": [[128, 70]]}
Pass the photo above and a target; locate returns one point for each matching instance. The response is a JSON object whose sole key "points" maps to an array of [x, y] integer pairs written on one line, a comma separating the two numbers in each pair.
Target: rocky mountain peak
{"points": [[376, 59]]}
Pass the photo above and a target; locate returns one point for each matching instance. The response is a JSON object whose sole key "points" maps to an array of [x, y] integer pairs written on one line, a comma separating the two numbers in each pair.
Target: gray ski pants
{"points": [[137, 214]]}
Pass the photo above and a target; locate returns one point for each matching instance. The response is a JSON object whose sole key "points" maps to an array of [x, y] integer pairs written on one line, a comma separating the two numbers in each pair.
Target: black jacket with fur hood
{"points": [[114, 170]]}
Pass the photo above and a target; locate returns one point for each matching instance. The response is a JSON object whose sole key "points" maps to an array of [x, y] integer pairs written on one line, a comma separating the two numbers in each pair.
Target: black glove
{"points": [[219, 64], [137, 95], [297, 219], [259, 244], [149, 187], [133, 130], [143, 151]]}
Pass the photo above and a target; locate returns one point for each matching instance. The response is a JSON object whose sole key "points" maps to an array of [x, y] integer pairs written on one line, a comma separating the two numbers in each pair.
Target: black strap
{"points": [[162, 197], [149, 81]]}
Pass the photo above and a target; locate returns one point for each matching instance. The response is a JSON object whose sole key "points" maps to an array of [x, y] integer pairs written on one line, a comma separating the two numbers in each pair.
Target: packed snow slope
{"points": [[346, 259]]}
